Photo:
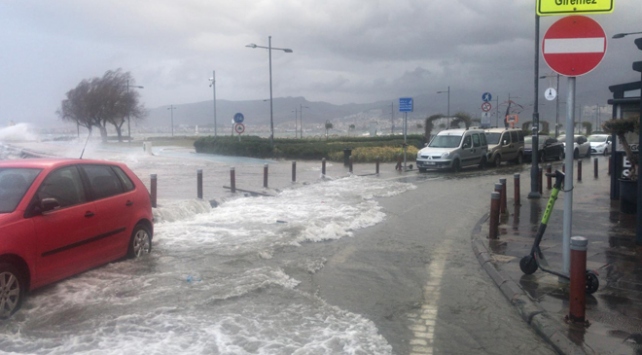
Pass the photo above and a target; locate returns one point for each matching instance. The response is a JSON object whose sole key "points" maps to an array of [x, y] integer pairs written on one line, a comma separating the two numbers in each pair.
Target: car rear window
{"points": [[103, 181]]}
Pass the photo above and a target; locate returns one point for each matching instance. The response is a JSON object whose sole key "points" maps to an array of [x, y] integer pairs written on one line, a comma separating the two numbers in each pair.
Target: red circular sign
{"points": [[574, 45], [239, 128], [486, 106]]}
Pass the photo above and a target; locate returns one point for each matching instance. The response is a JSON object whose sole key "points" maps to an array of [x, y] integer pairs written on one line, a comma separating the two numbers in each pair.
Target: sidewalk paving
{"points": [[614, 312]]}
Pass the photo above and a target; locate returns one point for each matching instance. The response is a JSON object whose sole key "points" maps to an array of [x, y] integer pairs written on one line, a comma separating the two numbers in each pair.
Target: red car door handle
{"points": [[129, 203], [89, 214]]}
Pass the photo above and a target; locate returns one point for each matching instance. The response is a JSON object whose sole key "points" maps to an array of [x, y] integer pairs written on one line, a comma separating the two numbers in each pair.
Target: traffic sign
{"points": [[487, 97], [574, 45], [239, 128], [405, 104], [238, 118], [486, 106], [565, 7], [550, 94]]}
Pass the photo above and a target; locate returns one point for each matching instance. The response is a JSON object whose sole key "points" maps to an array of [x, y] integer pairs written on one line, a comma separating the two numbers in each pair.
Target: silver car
{"points": [[581, 146], [600, 143]]}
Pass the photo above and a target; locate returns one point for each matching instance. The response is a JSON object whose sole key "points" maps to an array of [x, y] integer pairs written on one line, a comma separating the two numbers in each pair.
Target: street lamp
{"points": [[557, 102], [129, 134], [296, 122], [171, 109], [448, 92], [213, 86], [270, 49], [301, 117]]}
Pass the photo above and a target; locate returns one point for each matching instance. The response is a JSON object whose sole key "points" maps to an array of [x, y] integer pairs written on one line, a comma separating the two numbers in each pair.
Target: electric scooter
{"points": [[531, 262]]}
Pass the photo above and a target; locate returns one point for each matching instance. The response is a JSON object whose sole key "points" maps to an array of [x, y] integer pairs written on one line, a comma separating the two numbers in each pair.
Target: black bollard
{"points": [[153, 187], [199, 183]]}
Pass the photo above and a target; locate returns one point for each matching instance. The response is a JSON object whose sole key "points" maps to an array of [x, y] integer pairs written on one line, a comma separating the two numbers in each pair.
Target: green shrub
{"points": [[364, 149]]}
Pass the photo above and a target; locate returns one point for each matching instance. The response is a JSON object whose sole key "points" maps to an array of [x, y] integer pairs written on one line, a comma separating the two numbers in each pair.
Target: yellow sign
{"points": [[566, 7]]}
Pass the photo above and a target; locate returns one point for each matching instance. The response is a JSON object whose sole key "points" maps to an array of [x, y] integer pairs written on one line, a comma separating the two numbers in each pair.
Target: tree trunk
{"points": [[103, 133]]}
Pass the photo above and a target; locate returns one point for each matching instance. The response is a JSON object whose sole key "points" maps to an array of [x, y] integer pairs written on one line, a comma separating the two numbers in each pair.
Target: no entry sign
{"points": [[574, 45]]}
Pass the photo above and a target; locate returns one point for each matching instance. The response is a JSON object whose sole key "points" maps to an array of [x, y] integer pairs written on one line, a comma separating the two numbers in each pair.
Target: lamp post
{"points": [[213, 86], [129, 134], [637, 66], [557, 101], [270, 49], [171, 109], [296, 124], [448, 108], [301, 117]]}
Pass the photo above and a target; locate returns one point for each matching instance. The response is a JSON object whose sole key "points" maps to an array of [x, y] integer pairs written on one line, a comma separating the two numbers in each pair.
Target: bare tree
{"points": [[100, 102]]}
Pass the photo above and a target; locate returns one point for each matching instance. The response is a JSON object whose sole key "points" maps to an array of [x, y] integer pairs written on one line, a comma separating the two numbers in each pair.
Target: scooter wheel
{"points": [[592, 282], [528, 264]]}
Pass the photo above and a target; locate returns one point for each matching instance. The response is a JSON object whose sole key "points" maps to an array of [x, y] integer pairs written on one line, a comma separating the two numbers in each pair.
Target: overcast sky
{"points": [[344, 50]]}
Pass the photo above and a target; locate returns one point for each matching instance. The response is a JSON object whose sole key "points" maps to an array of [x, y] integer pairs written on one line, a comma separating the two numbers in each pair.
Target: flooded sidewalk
{"points": [[614, 312]]}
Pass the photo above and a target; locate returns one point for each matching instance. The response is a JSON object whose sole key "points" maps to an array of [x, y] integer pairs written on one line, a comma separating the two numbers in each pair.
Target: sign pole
{"points": [[405, 132], [534, 193], [568, 179]]}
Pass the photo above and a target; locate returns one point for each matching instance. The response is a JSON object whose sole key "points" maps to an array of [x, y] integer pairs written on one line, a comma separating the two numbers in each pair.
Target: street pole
{"points": [[557, 107], [637, 66], [392, 118], [534, 193], [301, 107], [213, 85], [568, 178], [171, 109], [271, 107]]}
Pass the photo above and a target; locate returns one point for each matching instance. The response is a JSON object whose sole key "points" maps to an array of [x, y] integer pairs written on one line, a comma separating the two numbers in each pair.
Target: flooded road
{"points": [[344, 264]]}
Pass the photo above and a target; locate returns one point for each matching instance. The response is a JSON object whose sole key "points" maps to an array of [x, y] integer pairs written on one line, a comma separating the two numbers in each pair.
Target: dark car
{"points": [[549, 148]]}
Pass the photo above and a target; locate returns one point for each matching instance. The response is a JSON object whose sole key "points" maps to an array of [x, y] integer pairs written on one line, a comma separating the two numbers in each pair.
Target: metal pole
{"points": [[392, 118], [199, 183], [568, 179], [129, 132], [153, 186], [534, 193], [271, 107], [493, 230], [405, 132], [214, 93], [638, 230], [557, 107]]}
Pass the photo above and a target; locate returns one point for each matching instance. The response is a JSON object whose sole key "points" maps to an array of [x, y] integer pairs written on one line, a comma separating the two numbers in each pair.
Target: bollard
{"points": [[232, 179], [516, 195], [493, 228], [579, 170], [549, 170], [350, 163], [153, 187], [265, 176], [323, 166], [595, 168], [540, 180], [503, 208], [294, 171], [577, 306], [199, 183], [377, 166]]}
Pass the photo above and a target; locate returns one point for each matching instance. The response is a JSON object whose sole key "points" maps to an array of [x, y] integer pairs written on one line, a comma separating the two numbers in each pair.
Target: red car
{"points": [[60, 217]]}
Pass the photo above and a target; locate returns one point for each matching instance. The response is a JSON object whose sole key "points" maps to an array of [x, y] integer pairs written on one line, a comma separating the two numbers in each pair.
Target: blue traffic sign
{"points": [[238, 118], [405, 104], [487, 97]]}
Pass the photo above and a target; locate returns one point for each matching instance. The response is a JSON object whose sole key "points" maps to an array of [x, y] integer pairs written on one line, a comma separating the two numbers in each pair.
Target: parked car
{"points": [[581, 146], [549, 148], [600, 143], [454, 149], [505, 145], [60, 217]]}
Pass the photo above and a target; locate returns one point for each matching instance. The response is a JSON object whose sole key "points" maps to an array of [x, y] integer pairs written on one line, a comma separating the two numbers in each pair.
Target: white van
{"points": [[454, 149]]}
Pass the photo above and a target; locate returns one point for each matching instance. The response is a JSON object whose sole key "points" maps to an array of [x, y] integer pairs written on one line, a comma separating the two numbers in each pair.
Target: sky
{"points": [[344, 51]]}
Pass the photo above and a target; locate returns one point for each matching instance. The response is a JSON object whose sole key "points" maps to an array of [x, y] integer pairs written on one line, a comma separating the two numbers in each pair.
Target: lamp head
{"points": [[251, 45], [619, 35], [287, 50]]}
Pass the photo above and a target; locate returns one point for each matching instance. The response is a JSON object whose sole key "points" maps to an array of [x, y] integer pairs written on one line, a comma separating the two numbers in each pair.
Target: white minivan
{"points": [[454, 149]]}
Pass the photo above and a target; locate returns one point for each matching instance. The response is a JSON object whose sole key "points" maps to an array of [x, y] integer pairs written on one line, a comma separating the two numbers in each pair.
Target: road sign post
{"points": [[406, 104], [572, 46]]}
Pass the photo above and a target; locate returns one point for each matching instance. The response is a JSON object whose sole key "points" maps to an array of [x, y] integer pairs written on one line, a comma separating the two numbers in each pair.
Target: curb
{"points": [[547, 327]]}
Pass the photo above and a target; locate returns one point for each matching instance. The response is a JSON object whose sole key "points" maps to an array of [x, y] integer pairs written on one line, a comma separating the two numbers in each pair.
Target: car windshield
{"points": [[597, 139], [493, 137], [444, 141], [14, 182]]}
